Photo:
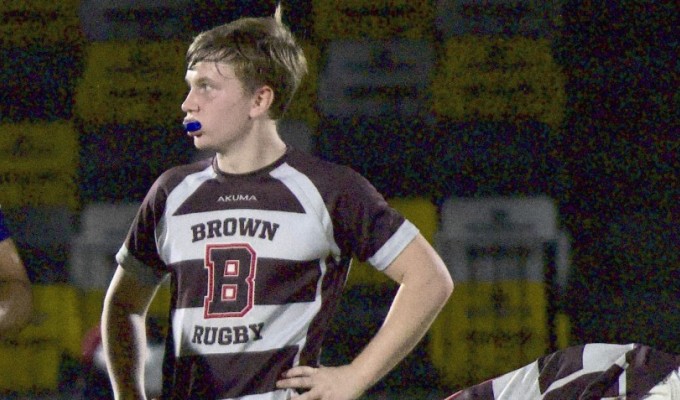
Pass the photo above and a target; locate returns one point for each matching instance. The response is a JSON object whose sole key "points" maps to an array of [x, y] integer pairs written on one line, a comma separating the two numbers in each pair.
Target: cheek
{"points": [[236, 109], [228, 107]]}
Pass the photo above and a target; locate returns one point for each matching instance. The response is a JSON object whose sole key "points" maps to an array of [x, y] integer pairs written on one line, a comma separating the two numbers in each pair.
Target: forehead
{"points": [[216, 71]]}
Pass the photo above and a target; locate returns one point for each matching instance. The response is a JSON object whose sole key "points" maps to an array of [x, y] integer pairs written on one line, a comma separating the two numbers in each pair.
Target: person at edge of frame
{"points": [[16, 299]]}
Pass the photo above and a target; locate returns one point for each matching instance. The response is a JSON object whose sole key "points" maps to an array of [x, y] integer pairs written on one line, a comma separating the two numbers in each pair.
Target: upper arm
{"points": [[11, 266], [420, 263], [129, 293]]}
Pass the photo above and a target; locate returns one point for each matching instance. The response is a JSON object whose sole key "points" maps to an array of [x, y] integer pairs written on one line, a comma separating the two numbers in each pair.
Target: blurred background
{"points": [[534, 143]]}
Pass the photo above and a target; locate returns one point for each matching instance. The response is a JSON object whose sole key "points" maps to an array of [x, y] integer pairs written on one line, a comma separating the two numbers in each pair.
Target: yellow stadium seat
{"points": [[91, 305], [38, 164], [56, 319], [132, 81], [373, 19], [40, 23], [31, 360], [489, 328], [304, 104], [32, 366], [505, 259], [499, 79]]}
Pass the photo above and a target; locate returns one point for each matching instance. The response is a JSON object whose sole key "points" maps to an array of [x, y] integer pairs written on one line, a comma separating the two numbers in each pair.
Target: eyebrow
{"points": [[199, 81]]}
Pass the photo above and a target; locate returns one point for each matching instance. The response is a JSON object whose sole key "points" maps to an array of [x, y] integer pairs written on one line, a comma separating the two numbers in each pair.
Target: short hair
{"points": [[262, 51]]}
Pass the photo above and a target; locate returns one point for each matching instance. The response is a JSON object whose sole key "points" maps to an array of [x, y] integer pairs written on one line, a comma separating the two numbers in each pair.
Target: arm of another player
{"points": [[16, 302], [425, 286], [124, 333]]}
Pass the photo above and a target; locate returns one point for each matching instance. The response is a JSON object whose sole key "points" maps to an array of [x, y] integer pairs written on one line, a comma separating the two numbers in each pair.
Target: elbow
{"points": [[441, 285], [447, 286], [445, 282], [17, 311], [23, 320]]}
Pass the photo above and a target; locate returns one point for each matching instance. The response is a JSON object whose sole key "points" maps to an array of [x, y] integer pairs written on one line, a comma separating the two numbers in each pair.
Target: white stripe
{"points": [[283, 326], [600, 356], [522, 383], [394, 246], [186, 188], [295, 237], [312, 202], [320, 225], [310, 198], [141, 270], [313, 309], [175, 199], [668, 389], [277, 395], [597, 357]]}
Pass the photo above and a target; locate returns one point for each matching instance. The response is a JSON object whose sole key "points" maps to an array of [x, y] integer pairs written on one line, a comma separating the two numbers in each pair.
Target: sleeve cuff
{"points": [[142, 271], [394, 246]]}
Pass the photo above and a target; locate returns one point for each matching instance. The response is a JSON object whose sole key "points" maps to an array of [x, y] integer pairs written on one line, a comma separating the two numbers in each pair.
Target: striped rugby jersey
{"points": [[594, 371], [257, 264]]}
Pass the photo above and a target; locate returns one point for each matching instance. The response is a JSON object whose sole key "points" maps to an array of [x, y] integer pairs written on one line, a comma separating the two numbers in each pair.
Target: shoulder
{"points": [[323, 172], [172, 177], [341, 187]]}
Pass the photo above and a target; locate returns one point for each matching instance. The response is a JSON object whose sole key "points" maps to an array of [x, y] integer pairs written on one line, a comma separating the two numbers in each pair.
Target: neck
{"points": [[260, 148]]}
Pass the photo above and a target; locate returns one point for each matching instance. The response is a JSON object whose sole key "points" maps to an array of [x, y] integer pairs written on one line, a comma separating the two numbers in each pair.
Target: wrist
{"points": [[362, 374]]}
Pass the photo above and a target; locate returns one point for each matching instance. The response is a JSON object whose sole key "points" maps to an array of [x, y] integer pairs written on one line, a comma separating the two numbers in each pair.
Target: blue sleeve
{"points": [[4, 230]]}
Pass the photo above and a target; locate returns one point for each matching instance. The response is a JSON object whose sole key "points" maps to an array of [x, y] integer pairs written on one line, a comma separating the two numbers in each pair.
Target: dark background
{"points": [[612, 166]]}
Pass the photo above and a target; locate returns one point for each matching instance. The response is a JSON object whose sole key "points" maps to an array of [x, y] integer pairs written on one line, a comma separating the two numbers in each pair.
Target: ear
{"points": [[262, 101]]}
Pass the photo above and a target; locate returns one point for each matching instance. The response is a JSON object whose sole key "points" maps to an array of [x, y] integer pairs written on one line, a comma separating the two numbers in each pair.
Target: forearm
{"points": [[124, 342], [425, 286], [412, 312], [16, 305]]}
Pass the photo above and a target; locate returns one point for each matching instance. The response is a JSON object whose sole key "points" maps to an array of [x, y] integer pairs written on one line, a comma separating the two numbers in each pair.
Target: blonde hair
{"points": [[262, 52]]}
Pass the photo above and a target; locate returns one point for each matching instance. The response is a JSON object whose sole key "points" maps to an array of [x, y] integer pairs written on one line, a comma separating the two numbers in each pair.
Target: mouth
{"points": [[192, 126]]}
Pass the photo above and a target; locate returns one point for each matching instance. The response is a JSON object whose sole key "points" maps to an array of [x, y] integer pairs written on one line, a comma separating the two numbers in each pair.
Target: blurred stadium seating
{"points": [[443, 93]]}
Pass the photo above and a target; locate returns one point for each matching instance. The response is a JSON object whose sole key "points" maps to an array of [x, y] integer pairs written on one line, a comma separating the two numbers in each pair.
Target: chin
{"points": [[204, 147], [200, 144]]}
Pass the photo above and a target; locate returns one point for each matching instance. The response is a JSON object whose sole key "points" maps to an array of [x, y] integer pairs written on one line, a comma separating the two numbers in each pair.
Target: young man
{"points": [[16, 303], [257, 243]]}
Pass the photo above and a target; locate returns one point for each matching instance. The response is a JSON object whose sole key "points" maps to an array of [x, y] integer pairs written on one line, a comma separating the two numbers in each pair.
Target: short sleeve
{"points": [[368, 226], [139, 253]]}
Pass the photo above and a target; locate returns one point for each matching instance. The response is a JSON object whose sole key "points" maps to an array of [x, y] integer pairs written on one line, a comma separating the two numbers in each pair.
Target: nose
{"points": [[189, 104]]}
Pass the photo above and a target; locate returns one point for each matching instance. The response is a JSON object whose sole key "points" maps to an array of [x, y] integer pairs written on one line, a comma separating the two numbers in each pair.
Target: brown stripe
{"points": [[589, 386], [240, 193], [647, 368], [559, 365], [301, 278], [230, 375], [482, 391], [332, 294]]}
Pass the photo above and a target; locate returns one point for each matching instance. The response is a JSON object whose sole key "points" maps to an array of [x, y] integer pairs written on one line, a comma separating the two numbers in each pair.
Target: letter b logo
{"points": [[231, 280]]}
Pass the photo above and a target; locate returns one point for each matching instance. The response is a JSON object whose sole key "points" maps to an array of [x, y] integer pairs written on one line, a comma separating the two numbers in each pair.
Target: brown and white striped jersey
{"points": [[257, 265]]}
